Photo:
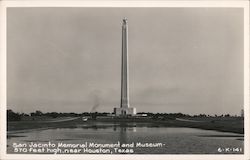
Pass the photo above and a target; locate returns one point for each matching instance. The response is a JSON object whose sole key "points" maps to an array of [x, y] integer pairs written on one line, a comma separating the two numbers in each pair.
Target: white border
{"points": [[234, 4]]}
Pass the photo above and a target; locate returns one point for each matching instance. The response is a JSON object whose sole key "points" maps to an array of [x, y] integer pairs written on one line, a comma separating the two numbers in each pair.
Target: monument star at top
{"points": [[125, 108]]}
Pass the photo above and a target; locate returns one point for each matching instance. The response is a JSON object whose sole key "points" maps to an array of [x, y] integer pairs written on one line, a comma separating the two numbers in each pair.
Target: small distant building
{"points": [[142, 115], [110, 115]]}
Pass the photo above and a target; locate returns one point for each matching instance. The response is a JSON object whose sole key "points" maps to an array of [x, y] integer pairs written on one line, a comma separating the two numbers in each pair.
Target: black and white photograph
{"points": [[125, 81]]}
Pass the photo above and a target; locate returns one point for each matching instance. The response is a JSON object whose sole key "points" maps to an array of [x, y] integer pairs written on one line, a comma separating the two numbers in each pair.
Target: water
{"points": [[173, 140]]}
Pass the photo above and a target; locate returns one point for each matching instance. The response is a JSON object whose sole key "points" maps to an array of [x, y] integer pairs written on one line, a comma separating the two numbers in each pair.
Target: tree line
{"points": [[16, 116]]}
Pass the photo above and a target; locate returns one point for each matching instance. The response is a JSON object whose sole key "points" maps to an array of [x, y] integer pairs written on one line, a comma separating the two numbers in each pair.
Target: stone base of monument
{"points": [[125, 111]]}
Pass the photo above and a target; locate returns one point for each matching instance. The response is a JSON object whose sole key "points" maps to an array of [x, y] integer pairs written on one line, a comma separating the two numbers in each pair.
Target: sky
{"points": [[187, 60]]}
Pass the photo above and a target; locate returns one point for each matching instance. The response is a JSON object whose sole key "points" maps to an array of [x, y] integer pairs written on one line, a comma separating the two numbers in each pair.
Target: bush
{"points": [[12, 116]]}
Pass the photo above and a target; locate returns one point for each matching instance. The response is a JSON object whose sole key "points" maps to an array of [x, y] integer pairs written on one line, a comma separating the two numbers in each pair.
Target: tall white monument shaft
{"points": [[124, 67], [124, 109]]}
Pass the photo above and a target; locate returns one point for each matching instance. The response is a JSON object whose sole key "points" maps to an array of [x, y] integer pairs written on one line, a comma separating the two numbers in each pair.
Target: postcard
{"points": [[125, 80]]}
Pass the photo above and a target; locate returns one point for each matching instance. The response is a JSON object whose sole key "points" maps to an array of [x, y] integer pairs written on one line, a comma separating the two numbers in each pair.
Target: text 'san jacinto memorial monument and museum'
{"points": [[124, 109]]}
